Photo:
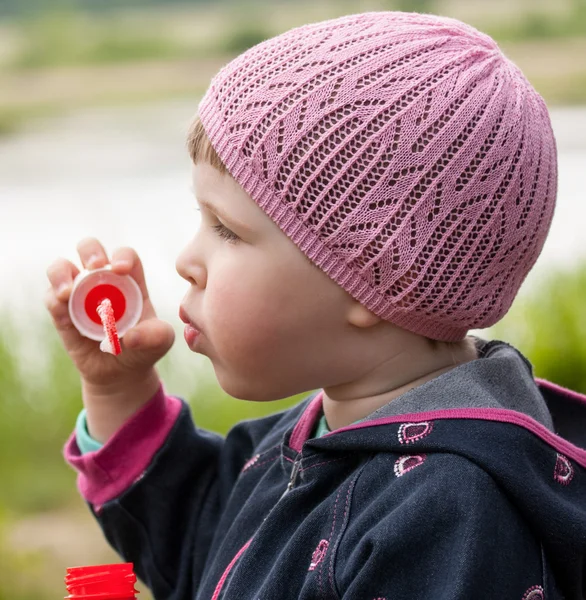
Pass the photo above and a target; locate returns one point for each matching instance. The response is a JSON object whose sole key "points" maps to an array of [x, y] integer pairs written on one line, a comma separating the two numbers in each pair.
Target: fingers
{"points": [[125, 261], [59, 311], [61, 274], [150, 339], [57, 308], [92, 253]]}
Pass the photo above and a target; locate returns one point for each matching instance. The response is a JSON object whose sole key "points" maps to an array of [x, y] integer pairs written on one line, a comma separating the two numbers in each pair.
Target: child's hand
{"points": [[142, 346]]}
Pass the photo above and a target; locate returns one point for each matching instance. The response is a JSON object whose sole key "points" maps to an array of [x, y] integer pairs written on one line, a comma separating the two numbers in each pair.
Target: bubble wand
{"points": [[111, 343]]}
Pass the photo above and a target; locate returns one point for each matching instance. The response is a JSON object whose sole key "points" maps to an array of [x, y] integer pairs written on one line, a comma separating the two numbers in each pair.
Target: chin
{"points": [[243, 390]]}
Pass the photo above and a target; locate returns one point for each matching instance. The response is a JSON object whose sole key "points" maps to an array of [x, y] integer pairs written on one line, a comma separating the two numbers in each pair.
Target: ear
{"points": [[359, 316]]}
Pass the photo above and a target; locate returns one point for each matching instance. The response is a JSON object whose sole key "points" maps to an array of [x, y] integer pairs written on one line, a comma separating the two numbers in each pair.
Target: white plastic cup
{"points": [[90, 288]]}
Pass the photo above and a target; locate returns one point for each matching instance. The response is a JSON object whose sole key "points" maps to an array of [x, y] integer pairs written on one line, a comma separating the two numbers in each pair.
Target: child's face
{"points": [[271, 322]]}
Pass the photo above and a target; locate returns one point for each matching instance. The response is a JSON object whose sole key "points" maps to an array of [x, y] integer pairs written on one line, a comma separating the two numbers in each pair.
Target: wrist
{"points": [[109, 406]]}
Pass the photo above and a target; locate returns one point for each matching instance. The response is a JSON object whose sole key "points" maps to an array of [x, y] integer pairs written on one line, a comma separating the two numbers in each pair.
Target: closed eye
{"points": [[222, 230], [225, 233]]}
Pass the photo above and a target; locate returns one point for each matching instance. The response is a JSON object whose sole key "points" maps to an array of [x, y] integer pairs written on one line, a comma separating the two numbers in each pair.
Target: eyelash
{"points": [[225, 233], [222, 230]]}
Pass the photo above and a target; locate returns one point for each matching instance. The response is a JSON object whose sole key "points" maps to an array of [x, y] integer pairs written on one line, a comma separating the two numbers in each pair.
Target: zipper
{"points": [[290, 486], [292, 479]]}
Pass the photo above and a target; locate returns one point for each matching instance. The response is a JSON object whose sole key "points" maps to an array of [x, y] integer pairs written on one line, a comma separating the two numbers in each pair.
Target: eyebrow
{"points": [[221, 214]]}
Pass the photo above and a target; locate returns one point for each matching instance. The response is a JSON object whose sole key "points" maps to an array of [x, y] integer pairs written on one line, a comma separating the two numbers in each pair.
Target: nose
{"points": [[190, 266]]}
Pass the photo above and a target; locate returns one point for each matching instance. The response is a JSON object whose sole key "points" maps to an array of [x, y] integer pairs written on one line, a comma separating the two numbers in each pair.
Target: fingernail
{"points": [[93, 260], [62, 289], [121, 264]]}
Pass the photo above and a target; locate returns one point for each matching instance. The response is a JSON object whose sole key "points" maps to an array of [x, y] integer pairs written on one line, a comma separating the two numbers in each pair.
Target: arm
{"points": [[109, 406], [157, 489], [448, 532]]}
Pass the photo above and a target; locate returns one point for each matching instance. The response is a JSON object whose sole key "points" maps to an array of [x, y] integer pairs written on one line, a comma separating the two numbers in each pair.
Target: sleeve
{"points": [[451, 534], [85, 442], [157, 489]]}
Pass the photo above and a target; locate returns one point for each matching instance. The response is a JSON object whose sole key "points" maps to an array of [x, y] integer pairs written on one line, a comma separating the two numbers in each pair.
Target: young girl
{"points": [[371, 189]]}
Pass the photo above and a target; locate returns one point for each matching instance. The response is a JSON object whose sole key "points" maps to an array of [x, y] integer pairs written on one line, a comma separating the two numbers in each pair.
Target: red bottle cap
{"points": [[101, 582]]}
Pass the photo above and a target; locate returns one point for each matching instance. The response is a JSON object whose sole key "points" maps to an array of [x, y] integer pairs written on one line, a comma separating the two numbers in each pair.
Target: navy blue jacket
{"points": [[471, 486]]}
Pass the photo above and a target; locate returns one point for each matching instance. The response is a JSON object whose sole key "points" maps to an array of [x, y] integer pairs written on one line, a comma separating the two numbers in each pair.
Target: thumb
{"points": [[150, 339]]}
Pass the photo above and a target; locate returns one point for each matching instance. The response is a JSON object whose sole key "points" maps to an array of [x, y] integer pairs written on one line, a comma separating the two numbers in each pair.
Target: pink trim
{"points": [[484, 414], [306, 423], [108, 472], [558, 389], [228, 569]]}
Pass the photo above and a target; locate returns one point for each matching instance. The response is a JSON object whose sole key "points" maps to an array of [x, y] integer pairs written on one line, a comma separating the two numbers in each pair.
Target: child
{"points": [[371, 188]]}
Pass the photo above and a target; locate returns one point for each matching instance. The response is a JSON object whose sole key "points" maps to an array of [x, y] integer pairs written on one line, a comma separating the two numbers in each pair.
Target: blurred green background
{"points": [[51, 47], [63, 58]]}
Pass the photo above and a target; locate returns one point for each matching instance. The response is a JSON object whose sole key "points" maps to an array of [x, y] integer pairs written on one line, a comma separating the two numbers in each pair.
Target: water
{"points": [[123, 176]]}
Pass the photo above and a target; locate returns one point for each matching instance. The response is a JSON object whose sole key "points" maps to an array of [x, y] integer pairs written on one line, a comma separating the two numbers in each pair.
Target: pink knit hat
{"points": [[404, 154]]}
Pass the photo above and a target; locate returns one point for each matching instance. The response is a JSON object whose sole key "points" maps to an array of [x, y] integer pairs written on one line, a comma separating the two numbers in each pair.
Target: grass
{"points": [[542, 24], [35, 415], [67, 38], [563, 90], [61, 37], [549, 327], [12, 565], [14, 118]]}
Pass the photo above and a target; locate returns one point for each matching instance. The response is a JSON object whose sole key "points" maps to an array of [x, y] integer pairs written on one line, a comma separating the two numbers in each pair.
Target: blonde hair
{"points": [[200, 148], [466, 346]]}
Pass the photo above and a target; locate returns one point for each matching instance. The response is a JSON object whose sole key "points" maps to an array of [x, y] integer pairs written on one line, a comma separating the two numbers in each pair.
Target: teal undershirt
{"points": [[322, 427], [86, 443]]}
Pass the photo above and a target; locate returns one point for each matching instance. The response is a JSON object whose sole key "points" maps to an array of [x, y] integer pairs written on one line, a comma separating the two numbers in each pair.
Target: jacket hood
{"points": [[528, 434]]}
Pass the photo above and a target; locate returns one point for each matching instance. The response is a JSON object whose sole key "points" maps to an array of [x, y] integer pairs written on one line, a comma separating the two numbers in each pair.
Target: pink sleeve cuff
{"points": [[106, 473]]}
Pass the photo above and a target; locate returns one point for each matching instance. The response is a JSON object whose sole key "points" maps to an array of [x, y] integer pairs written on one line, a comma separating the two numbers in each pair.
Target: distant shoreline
{"points": [[60, 61]]}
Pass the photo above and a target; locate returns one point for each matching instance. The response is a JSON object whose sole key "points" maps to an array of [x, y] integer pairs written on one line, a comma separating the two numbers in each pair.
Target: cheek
{"points": [[244, 314], [270, 336], [256, 348]]}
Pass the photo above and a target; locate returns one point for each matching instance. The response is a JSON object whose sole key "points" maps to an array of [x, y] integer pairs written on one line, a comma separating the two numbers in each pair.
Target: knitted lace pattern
{"points": [[404, 154]]}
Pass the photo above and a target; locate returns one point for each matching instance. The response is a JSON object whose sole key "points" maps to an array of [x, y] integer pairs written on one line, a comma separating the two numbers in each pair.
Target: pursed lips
{"points": [[185, 318]]}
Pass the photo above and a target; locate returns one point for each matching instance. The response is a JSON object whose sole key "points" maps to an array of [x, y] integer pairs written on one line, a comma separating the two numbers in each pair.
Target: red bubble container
{"points": [[90, 288], [101, 582]]}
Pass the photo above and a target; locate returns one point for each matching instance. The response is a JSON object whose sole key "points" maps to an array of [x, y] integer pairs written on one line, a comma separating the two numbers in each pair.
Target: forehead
{"points": [[222, 194]]}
